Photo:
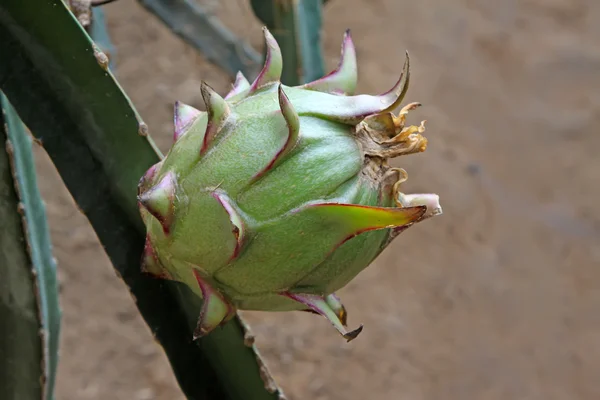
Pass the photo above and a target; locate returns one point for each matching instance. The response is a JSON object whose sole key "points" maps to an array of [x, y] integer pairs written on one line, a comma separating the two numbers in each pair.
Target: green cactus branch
{"points": [[59, 83], [196, 26], [296, 25], [29, 300]]}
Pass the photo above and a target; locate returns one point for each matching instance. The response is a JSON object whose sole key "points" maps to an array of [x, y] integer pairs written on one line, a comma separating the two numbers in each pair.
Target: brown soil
{"points": [[499, 298]]}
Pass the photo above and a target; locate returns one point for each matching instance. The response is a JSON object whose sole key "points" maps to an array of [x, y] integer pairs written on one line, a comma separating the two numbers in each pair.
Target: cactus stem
{"points": [[321, 306], [216, 311], [271, 72], [344, 78], [184, 116]]}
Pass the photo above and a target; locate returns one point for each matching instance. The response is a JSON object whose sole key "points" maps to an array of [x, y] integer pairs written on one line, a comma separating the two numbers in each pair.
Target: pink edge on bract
{"points": [[271, 71], [151, 265], [218, 112], [361, 218], [363, 106], [344, 78], [395, 95], [292, 121], [236, 220], [318, 305], [183, 117], [146, 179], [216, 311], [159, 200], [240, 84]]}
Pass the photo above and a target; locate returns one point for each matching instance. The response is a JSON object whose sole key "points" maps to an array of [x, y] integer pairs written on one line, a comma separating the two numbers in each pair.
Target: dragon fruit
{"points": [[276, 197]]}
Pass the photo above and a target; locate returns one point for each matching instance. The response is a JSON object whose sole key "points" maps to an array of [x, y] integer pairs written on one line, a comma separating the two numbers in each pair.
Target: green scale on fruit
{"points": [[276, 197]]}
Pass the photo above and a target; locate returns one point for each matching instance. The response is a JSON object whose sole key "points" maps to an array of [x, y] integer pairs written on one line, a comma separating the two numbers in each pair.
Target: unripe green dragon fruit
{"points": [[276, 197]]}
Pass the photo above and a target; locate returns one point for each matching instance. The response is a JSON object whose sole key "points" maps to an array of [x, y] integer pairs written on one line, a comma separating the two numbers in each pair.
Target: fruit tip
{"points": [[350, 336]]}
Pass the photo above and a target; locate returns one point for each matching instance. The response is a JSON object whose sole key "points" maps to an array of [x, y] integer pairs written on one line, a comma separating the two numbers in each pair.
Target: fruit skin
{"points": [[276, 196]]}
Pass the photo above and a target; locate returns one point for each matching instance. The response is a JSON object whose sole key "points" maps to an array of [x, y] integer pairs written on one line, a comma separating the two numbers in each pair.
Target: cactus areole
{"points": [[277, 196]]}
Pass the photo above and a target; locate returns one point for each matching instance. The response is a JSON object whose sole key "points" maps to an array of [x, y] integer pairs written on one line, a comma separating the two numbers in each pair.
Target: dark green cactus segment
{"points": [[310, 22], [100, 147], [29, 293]]}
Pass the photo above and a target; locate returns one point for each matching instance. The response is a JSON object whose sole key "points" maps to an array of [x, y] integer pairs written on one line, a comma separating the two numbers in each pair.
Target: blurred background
{"points": [[497, 299]]}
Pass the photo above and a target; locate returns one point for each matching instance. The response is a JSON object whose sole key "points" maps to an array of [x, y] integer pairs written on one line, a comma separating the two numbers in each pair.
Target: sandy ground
{"points": [[497, 299]]}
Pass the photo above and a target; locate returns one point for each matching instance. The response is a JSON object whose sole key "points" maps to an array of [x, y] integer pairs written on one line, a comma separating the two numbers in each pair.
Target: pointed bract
{"points": [[159, 200], [271, 72], [237, 223], [241, 84], [291, 118], [338, 308], [184, 116], [358, 218], [344, 78], [148, 177], [292, 121], [151, 265], [218, 111], [215, 312], [393, 97], [319, 305], [350, 109]]}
